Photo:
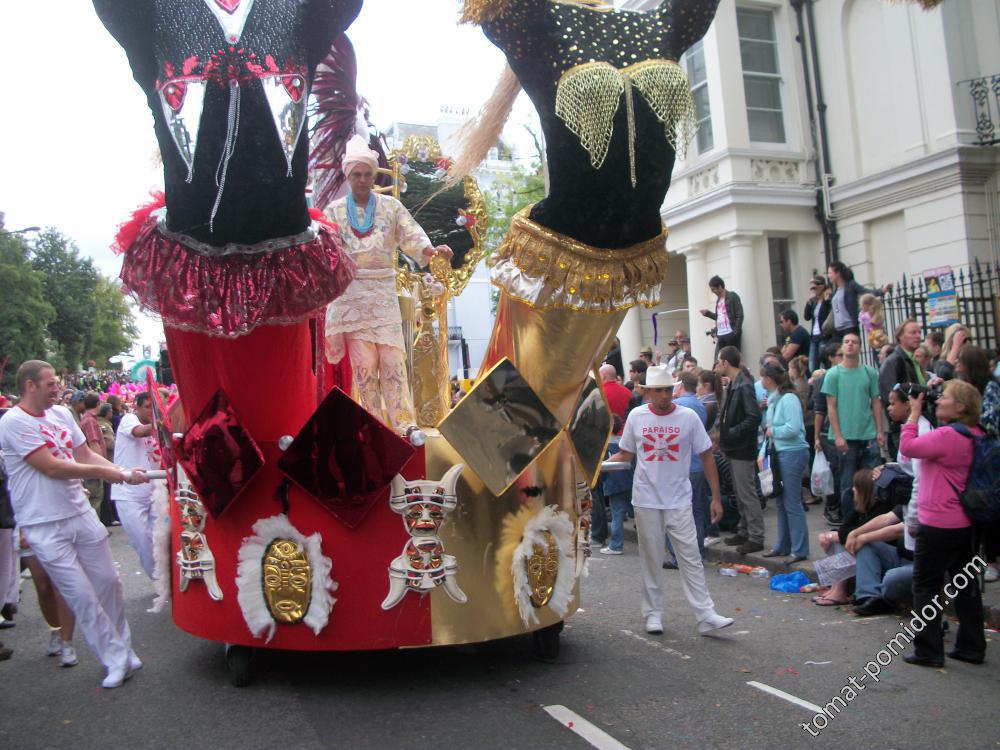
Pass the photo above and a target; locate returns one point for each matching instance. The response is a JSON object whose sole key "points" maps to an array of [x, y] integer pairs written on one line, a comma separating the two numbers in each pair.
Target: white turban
{"points": [[358, 153]]}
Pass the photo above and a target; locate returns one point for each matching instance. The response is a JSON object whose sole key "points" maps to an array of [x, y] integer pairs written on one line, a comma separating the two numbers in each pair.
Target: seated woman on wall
{"points": [[944, 537]]}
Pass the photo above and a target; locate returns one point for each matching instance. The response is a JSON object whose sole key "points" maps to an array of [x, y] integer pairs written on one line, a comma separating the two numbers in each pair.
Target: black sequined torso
{"points": [[543, 39], [181, 40]]}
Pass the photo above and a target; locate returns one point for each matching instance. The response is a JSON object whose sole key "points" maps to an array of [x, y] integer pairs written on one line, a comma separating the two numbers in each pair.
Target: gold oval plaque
{"points": [[543, 566], [287, 581]]}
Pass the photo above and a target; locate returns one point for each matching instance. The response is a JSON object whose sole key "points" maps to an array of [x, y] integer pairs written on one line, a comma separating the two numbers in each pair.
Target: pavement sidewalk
{"points": [[718, 553]]}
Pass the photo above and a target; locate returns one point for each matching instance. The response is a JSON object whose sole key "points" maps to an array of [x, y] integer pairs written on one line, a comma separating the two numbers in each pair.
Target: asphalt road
{"points": [[676, 691]]}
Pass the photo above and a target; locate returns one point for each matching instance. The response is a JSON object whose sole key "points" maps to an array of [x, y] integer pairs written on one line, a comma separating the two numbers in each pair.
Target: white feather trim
{"points": [[249, 577], [559, 525], [161, 545]]}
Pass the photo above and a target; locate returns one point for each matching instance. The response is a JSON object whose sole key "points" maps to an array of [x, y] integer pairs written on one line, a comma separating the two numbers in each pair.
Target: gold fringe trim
{"points": [[480, 11], [571, 274], [588, 97]]}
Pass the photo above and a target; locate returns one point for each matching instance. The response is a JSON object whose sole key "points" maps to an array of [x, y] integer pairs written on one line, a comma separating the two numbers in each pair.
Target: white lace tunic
{"points": [[369, 308]]}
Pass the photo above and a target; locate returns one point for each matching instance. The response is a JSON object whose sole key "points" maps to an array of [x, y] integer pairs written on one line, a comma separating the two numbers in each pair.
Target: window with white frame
{"points": [[695, 63], [761, 75]]}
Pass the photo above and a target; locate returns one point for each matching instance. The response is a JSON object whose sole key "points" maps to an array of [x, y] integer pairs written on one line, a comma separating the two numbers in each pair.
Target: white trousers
{"points": [[137, 519], [76, 555], [10, 572], [651, 525]]}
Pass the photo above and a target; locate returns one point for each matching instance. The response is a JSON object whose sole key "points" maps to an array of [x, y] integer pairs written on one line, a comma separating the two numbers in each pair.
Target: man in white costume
{"points": [[135, 445], [46, 457], [365, 322], [662, 436]]}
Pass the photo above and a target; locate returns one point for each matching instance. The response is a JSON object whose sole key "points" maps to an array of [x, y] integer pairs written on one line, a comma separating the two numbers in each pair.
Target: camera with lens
{"points": [[914, 390]]}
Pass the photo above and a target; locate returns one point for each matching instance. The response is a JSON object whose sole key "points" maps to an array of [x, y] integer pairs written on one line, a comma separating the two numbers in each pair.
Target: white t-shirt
{"points": [[663, 446], [37, 498], [722, 324], [133, 452]]}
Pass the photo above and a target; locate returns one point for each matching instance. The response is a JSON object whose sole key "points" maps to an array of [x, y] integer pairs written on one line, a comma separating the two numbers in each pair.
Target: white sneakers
{"points": [[118, 675], [55, 643], [714, 622], [654, 624], [609, 551], [67, 656], [992, 573]]}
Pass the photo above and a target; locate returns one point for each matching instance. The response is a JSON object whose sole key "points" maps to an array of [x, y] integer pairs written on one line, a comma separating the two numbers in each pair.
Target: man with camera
{"points": [[900, 367], [728, 315]]}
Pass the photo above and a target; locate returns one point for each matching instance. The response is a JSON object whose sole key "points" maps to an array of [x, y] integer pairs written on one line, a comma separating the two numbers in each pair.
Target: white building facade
{"points": [[909, 183]]}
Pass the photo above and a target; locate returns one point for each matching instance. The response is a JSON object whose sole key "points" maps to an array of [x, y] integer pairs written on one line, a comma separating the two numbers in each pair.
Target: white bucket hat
{"points": [[659, 376]]}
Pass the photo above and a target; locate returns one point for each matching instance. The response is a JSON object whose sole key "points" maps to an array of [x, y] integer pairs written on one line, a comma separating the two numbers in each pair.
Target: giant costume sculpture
{"points": [[614, 107], [236, 266]]}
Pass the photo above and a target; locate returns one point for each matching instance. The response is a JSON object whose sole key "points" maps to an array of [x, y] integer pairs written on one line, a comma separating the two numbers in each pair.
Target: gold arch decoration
{"points": [[418, 169]]}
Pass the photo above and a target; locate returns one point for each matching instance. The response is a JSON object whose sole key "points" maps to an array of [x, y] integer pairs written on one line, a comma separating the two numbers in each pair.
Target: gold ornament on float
{"points": [[542, 567], [283, 578], [287, 581]]}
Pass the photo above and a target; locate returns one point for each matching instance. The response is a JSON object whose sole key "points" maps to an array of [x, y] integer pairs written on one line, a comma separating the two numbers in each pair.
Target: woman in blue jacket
{"points": [[786, 430]]}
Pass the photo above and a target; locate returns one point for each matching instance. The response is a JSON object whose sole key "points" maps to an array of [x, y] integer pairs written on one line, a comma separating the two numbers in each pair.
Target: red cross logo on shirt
{"points": [[57, 440], [660, 447]]}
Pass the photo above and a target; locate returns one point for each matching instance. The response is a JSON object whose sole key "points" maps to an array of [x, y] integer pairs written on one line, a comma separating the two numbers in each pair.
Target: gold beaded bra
{"points": [[588, 97]]}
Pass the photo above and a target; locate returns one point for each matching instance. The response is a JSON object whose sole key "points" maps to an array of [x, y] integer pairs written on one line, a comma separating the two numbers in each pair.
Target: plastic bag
{"points": [[821, 481], [790, 583]]}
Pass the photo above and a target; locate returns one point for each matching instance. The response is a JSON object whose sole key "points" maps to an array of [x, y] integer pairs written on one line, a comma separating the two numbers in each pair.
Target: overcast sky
{"points": [[77, 150]]}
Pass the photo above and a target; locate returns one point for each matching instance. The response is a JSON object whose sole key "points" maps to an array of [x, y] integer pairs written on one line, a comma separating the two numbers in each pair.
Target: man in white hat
{"points": [[662, 436], [364, 322]]}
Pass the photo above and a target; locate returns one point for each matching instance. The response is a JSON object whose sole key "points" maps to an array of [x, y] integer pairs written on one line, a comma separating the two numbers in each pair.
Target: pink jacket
{"points": [[946, 458]]}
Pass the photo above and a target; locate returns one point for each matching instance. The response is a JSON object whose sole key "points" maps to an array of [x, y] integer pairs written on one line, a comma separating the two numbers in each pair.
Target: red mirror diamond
{"points": [[345, 457], [218, 455]]}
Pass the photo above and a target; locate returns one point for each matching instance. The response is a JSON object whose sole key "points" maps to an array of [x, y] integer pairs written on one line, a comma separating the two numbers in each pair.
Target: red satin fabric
{"points": [[230, 295]]}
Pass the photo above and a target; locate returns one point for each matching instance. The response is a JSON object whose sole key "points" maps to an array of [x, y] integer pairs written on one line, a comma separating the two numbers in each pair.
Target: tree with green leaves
{"points": [[24, 311], [113, 327], [69, 282]]}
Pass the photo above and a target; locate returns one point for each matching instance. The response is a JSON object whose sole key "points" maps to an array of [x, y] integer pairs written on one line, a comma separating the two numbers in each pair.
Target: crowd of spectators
{"points": [[879, 426]]}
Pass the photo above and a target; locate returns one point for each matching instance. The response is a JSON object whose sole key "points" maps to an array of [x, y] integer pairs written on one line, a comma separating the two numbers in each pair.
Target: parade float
{"points": [[298, 519]]}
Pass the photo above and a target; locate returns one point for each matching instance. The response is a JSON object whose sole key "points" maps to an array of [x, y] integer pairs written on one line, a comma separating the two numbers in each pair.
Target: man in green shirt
{"points": [[855, 412]]}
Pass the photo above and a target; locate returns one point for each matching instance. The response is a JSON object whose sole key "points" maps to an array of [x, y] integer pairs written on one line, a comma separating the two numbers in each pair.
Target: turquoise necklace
{"points": [[365, 228]]}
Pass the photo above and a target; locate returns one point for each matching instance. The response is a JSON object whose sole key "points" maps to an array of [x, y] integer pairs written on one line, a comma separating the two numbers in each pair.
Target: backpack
{"points": [[981, 497]]}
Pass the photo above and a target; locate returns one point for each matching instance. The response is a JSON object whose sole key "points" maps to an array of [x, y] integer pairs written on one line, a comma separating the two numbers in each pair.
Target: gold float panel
{"points": [[553, 349], [472, 533]]}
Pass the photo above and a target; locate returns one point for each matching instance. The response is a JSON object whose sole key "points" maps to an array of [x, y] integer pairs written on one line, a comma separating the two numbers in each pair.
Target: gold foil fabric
{"points": [[554, 350], [547, 269], [473, 534], [501, 427], [588, 97], [287, 581]]}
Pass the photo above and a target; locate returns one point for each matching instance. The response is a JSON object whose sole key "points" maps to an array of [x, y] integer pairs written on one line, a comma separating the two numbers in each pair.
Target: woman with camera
{"points": [[786, 431], [945, 534]]}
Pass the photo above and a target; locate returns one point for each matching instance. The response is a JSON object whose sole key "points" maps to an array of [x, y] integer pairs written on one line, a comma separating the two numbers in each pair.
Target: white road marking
{"points": [[654, 644], [742, 632], [785, 696], [592, 734]]}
